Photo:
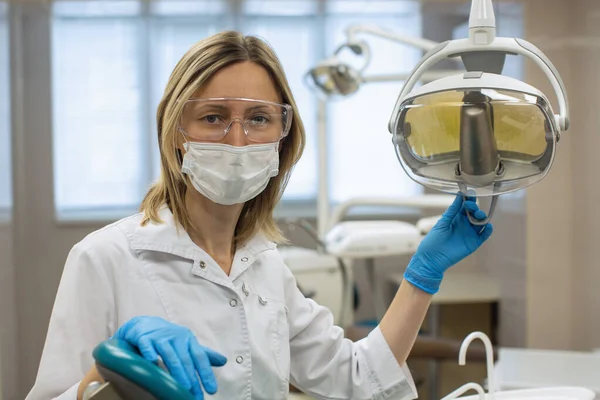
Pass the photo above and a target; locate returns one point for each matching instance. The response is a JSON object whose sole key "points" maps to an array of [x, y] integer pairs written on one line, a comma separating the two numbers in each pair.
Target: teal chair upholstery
{"points": [[133, 377]]}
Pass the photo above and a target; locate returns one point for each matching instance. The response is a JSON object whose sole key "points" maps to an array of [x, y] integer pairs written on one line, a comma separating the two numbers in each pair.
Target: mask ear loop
{"points": [[179, 155], [180, 130]]}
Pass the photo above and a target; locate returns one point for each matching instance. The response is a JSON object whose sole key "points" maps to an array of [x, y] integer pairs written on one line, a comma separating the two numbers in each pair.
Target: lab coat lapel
{"points": [[246, 255], [167, 238]]}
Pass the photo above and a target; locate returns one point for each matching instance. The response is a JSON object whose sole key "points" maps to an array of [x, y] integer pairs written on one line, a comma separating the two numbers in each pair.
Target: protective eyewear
{"points": [[211, 119]]}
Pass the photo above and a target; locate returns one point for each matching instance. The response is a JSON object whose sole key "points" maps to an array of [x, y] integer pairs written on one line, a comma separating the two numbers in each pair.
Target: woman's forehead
{"points": [[231, 105], [242, 80]]}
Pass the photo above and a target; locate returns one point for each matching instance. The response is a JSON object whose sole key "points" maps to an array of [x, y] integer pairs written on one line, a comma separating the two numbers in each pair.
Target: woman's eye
{"points": [[211, 119], [260, 119]]}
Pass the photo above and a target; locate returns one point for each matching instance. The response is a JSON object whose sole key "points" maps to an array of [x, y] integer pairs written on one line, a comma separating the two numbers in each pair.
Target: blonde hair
{"points": [[195, 68]]}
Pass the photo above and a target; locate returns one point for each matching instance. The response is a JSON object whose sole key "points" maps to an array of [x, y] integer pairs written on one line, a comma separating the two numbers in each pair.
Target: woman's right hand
{"points": [[179, 350]]}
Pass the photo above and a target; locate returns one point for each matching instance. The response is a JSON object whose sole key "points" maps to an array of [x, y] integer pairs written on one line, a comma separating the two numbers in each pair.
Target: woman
{"points": [[196, 278]]}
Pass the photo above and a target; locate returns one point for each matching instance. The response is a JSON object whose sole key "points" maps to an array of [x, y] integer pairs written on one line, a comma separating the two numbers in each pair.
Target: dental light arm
{"points": [[429, 76], [482, 21], [334, 77], [353, 31]]}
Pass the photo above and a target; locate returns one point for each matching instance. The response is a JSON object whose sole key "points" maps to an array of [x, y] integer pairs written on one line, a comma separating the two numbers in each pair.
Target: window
{"points": [[111, 61], [5, 136], [98, 123], [362, 158]]}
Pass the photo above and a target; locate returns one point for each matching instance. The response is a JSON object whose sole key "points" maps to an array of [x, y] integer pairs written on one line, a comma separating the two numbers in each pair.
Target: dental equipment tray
{"points": [[132, 376]]}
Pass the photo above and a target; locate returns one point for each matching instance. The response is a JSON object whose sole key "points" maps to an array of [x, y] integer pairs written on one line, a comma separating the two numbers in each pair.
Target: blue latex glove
{"points": [[452, 239], [179, 350]]}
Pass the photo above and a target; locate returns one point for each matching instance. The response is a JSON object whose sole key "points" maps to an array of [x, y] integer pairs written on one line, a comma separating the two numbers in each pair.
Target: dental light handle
{"points": [[515, 46], [490, 213]]}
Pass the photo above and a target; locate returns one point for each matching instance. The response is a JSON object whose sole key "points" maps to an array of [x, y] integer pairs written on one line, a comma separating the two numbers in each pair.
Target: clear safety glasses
{"points": [[210, 119]]}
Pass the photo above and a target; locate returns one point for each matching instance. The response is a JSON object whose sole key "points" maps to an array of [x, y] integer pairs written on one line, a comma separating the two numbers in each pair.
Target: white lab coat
{"points": [[257, 317]]}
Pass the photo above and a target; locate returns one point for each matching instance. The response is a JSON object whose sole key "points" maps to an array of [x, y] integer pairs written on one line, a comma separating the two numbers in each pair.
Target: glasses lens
{"points": [[210, 120]]}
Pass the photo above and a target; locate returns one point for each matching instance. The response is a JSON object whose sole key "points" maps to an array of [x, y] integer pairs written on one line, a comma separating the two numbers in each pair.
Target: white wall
{"points": [[563, 215]]}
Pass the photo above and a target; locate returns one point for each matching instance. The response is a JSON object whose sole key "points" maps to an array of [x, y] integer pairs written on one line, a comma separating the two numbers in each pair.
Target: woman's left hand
{"points": [[452, 239]]}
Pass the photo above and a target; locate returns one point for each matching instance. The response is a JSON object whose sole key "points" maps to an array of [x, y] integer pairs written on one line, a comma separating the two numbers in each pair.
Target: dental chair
{"points": [[129, 376]]}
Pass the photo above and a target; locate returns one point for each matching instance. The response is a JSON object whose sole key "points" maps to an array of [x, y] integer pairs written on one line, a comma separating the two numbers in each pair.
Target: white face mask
{"points": [[228, 174]]}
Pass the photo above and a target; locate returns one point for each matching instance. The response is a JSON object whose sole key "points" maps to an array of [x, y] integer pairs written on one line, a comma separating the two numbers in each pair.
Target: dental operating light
{"points": [[478, 133], [333, 78]]}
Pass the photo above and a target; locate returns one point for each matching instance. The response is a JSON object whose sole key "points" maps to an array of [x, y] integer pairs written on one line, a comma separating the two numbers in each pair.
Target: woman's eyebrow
{"points": [[259, 107], [213, 106], [222, 107]]}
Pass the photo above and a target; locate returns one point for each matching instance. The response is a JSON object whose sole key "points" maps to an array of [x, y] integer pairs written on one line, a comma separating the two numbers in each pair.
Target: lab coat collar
{"points": [[162, 237], [167, 238]]}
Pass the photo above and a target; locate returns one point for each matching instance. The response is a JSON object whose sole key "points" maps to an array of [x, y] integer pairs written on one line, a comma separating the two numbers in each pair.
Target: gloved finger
{"points": [[146, 348], [182, 348], [486, 233], [473, 209], [478, 215], [216, 359], [202, 363], [470, 205], [453, 209], [173, 363]]}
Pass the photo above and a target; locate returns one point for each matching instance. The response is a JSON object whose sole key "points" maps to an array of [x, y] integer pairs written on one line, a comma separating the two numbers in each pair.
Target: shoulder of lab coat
{"points": [[326, 365], [83, 314]]}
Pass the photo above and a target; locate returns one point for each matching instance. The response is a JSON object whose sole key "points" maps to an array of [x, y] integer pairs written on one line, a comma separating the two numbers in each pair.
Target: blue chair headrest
{"points": [[122, 359]]}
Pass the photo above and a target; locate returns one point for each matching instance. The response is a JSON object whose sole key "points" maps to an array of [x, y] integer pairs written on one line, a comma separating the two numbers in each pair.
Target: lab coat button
{"points": [[244, 259], [202, 264], [239, 359], [233, 302]]}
